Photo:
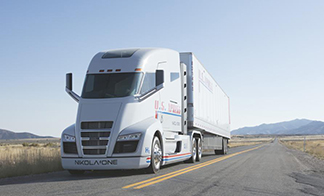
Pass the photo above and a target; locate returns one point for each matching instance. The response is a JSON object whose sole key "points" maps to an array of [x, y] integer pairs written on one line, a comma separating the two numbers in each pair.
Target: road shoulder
{"points": [[312, 173]]}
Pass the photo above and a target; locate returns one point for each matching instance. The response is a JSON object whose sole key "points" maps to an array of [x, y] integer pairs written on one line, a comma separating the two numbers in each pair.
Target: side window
{"points": [[159, 77], [148, 83], [174, 76]]}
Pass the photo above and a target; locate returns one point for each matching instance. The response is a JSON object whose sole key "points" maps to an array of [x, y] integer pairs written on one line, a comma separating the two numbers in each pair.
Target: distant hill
{"points": [[8, 135], [298, 126], [314, 127]]}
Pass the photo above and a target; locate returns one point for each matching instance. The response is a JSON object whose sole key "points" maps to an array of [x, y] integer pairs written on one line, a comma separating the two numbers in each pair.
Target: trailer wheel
{"points": [[156, 156], [193, 152], [76, 172], [225, 146], [199, 149]]}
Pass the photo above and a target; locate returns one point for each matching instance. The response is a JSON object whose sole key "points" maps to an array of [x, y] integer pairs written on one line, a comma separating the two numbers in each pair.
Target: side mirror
{"points": [[68, 87], [159, 77], [69, 81]]}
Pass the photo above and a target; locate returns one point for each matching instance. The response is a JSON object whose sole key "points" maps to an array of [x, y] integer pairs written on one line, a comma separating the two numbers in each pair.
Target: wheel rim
{"points": [[194, 154], [199, 148], [157, 154]]}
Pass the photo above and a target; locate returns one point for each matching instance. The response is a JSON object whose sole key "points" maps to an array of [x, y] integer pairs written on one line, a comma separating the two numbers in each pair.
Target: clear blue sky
{"points": [[267, 55]]}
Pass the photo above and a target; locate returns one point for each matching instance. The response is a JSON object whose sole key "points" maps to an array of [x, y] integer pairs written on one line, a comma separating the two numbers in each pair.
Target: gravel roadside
{"points": [[312, 174]]}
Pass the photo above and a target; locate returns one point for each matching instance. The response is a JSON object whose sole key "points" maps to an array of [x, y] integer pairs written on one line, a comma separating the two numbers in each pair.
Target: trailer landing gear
{"points": [[224, 148]]}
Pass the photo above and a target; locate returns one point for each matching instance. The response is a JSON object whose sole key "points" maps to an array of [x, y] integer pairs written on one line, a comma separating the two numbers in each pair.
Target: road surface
{"points": [[268, 169]]}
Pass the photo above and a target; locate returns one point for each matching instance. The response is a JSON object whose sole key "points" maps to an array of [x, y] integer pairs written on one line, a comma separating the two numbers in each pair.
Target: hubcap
{"points": [[199, 148], [194, 149], [157, 154]]}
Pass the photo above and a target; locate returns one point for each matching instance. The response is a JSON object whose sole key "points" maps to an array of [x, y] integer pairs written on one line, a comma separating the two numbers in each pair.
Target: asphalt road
{"points": [[269, 169]]}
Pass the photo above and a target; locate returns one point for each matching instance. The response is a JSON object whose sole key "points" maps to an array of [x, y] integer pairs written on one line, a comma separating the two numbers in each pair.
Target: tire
{"points": [[76, 172], [193, 152], [199, 149], [225, 146], [156, 156]]}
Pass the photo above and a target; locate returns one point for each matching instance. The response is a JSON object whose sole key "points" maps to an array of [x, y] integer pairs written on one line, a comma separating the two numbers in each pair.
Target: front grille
{"points": [[97, 125], [94, 151], [70, 148], [95, 134], [125, 147], [94, 143]]}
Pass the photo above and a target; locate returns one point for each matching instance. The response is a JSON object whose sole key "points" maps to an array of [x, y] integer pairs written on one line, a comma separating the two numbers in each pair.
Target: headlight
{"points": [[68, 138], [134, 136]]}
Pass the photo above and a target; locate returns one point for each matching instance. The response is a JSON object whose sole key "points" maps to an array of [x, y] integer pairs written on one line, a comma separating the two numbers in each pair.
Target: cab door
{"points": [[169, 104]]}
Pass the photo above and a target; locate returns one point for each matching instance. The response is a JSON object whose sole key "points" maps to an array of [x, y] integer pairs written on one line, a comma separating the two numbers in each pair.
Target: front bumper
{"points": [[109, 163]]}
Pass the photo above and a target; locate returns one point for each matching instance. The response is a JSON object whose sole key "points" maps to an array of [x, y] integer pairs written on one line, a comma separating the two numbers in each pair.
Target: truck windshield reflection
{"points": [[111, 85]]}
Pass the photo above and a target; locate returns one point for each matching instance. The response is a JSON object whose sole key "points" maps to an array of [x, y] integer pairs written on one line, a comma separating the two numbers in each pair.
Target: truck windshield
{"points": [[111, 85]]}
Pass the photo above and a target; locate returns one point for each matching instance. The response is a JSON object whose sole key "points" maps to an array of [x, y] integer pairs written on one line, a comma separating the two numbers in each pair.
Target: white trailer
{"points": [[144, 108], [208, 105]]}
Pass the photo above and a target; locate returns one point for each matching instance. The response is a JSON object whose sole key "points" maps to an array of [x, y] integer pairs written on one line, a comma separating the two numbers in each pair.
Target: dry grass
{"points": [[17, 160], [40, 141], [237, 144], [301, 137], [313, 147], [236, 141]]}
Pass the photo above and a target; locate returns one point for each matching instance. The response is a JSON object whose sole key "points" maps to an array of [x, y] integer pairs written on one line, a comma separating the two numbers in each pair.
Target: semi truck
{"points": [[144, 108]]}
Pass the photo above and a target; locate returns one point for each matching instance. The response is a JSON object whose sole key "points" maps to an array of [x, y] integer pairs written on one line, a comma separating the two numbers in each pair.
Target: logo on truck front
{"points": [[95, 162]]}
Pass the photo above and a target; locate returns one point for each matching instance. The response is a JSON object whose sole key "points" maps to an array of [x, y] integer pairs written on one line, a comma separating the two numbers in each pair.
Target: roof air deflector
{"points": [[119, 53]]}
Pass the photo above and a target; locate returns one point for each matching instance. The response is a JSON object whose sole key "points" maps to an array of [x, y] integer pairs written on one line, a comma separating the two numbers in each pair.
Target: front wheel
{"points": [[156, 156]]}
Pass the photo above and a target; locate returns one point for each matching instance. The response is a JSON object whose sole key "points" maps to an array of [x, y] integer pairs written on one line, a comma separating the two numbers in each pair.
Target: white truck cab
{"points": [[133, 113]]}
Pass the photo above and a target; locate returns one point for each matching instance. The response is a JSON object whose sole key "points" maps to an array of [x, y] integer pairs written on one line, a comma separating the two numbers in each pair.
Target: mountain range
{"points": [[8, 135], [293, 127], [297, 126]]}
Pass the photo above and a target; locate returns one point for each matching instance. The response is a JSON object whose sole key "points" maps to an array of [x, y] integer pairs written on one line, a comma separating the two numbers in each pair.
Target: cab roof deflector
{"points": [[119, 53]]}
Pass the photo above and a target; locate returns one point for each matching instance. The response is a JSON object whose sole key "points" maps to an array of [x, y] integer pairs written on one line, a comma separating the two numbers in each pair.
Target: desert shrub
{"points": [[51, 144], [34, 145]]}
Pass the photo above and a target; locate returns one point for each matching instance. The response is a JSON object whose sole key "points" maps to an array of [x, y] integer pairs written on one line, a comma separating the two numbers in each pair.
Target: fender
{"points": [[195, 132], [69, 130], [147, 128]]}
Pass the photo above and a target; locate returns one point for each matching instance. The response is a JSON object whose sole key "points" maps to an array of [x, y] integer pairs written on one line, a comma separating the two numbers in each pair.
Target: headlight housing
{"points": [[68, 138], [129, 137]]}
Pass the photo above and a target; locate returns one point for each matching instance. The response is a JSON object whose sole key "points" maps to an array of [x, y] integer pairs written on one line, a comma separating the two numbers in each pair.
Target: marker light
{"points": [[68, 138], [101, 70], [134, 136], [118, 69], [138, 69], [109, 70]]}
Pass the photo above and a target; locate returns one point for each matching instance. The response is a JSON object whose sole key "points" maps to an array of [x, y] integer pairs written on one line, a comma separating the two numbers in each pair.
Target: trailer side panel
{"points": [[208, 105]]}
